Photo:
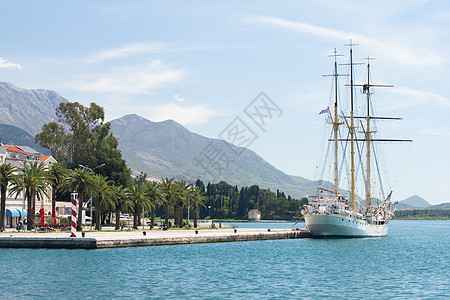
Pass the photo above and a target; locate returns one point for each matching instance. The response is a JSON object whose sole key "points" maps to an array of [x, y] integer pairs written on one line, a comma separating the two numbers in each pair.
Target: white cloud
{"points": [[119, 11], [436, 131], [412, 56], [408, 97], [134, 80], [178, 98], [183, 115], [4, 64], [134, 49], [128, 50], [303, 28]]}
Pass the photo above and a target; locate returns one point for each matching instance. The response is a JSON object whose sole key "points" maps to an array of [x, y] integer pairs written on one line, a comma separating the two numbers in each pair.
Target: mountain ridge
{"points": [[413, 202], [169, 148], [27, 109]]}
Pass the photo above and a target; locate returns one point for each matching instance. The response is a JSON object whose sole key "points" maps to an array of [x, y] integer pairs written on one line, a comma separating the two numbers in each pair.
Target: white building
{"points": [[16, 207], [254, 215]]}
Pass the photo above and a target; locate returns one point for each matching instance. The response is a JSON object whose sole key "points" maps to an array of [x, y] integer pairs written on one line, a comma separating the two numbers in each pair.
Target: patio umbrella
{"points": [[42, 216]]}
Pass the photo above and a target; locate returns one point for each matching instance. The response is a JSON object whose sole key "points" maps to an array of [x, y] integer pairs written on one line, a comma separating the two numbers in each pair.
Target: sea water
{"points": [[413, 261]]}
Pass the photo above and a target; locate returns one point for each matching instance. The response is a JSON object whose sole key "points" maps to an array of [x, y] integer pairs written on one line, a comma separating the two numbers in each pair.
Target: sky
{"points": [[203, 63]]}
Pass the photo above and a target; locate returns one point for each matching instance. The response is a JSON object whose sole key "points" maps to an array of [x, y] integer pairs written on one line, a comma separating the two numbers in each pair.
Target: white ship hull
{"points": [[322, 224]]}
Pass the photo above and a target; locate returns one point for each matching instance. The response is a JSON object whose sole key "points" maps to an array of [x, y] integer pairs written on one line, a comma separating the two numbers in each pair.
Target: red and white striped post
{"points": [[74, 197]]}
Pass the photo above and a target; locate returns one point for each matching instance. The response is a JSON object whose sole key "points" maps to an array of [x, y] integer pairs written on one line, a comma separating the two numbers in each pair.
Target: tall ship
{"points": [[332, 212]]}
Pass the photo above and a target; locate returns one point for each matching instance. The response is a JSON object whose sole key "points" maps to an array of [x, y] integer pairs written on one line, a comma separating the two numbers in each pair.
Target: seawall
{"points": [[96, 240]]}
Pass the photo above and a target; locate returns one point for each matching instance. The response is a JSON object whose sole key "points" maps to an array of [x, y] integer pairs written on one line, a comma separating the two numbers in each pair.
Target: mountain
{"points": [[166, 149], [413, 202], [27, 109], [440, 206], [161, 149], [12, 135]]}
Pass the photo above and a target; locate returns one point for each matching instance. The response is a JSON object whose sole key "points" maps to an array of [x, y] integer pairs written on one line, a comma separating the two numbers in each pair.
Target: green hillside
{"points": [[167, 149], [12, 135]]}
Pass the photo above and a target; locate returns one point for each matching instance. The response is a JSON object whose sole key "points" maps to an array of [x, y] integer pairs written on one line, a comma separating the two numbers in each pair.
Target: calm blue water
{"points": [[412, 262]]}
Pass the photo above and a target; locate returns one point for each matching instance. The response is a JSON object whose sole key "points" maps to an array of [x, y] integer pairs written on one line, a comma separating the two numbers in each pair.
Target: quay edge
{"points": [[148, 240]]}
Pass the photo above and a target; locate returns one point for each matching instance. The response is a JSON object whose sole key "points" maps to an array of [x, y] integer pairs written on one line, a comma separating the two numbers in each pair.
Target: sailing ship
{"points": [[328, 212]]}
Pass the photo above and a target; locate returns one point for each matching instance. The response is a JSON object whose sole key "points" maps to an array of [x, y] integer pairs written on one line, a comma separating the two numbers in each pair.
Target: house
{"points": [[254, 215], [16, 207]]}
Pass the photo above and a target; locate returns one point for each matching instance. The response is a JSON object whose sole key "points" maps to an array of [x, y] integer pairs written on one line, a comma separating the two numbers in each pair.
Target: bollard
{"points": [[235, 230], [83, 234], [144, 233], [196, 232]]}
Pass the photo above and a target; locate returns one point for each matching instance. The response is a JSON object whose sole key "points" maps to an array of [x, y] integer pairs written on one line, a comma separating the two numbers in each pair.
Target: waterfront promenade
{"points": [[112, 239]]}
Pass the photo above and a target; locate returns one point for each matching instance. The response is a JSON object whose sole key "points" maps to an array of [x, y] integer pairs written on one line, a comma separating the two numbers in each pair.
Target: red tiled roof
{"points": [[17, 149], [44, 157]]}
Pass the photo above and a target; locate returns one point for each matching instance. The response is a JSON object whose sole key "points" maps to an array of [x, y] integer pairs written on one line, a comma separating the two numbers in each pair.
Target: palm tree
{"points": [[35, 184], [155, 194], [103, 195], [198, 199], [138, 199], [56, 173], [121, 201], [179, 200], [169, 192], [82, 181], [6, 177]]}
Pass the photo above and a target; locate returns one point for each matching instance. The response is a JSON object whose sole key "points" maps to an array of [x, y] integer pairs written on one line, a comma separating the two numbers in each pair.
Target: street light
{"points": [[189, 199], [92, 170], [23, 207]]}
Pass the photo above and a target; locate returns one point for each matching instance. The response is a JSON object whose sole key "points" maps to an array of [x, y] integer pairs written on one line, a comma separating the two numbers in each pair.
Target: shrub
{"points": [[64, 221]]}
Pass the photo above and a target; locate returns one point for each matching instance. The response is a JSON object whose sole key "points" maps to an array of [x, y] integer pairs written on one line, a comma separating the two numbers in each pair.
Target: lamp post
{"points": [[92, 170], [23, 207], [189, 200]]}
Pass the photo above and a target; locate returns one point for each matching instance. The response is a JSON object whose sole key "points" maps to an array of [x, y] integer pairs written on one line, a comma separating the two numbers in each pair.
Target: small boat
{"points": [[329, 213]]}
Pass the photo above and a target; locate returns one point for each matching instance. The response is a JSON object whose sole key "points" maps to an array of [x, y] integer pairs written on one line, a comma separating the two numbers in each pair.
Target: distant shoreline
{"points": [[421, 219], [260, 221]]}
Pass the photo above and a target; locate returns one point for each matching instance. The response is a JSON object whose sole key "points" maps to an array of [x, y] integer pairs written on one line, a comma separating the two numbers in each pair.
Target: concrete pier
{"points": [[113, 239]]}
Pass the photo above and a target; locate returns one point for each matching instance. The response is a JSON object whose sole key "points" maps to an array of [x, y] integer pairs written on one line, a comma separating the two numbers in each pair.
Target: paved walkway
{"points": [[155, 233]]}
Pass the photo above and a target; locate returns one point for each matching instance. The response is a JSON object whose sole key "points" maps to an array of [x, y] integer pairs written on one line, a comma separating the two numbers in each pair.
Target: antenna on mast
{"points": [[335, 121]]}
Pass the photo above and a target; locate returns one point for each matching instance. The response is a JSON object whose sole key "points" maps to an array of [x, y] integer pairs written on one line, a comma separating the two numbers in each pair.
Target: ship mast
{"points": [[367, 132], [336, 123], [336, 127], [352, 137], [366, 89]]}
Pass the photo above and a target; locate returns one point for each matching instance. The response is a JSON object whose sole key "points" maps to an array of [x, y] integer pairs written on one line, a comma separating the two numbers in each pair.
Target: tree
{"points": [[6, 177], [179, 199], [198, 199], [242, 208], [121, 201], [169, 192], [103, 197], [55, 138], [138, 199], [34, 183], [80, 180], [81, 137], [56, 173], [155, 195]]}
